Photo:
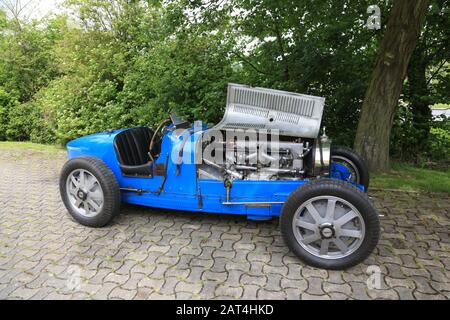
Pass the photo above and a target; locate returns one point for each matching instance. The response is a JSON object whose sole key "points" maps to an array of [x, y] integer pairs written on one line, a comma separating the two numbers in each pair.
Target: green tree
{"points": [[381, 99]]}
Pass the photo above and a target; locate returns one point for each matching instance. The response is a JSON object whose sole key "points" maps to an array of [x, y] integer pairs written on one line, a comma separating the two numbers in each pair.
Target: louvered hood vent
{"points": [[292, 114]]}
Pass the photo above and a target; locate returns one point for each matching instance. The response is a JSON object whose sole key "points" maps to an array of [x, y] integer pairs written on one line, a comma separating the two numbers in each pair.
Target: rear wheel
{"points": [[89, 191], [347, 165], [330, 224]]}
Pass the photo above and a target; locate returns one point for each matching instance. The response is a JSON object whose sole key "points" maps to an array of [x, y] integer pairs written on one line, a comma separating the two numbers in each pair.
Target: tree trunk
{"points": [[377, 113]]}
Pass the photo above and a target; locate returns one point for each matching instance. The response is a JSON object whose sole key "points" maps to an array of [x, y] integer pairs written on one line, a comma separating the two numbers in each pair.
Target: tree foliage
{"points": [[119, 63]]}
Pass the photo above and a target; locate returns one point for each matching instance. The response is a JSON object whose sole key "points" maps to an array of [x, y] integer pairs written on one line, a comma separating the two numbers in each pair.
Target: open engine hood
{"points": [[292, 114]]}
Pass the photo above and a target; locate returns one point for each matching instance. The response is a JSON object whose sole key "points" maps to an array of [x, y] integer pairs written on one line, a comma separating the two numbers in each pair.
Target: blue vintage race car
{"points": [[264, 159]]}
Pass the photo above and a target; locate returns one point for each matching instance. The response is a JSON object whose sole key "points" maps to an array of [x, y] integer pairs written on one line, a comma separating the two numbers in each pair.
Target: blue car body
{"points": [[182, 189]]}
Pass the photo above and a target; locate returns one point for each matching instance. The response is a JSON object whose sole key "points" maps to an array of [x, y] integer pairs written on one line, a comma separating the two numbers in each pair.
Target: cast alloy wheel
{"points": [[84, 193], [328, 227], [330, 224], [89, 191]]}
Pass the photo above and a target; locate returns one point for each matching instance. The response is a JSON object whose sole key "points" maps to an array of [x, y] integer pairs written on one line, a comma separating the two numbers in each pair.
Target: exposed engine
{"points": [[296, 153], [253, 160]]}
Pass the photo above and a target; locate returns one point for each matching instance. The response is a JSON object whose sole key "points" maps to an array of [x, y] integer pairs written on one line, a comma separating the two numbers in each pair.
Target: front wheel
{"points": [[330, 224], [89, 191]]}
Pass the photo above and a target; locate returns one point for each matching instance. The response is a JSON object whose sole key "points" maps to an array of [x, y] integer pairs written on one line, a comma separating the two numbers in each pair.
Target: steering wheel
{"points": [[155, 134]]}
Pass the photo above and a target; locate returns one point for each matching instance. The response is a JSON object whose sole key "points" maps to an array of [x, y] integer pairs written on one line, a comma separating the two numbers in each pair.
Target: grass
{"points": [[30, 146], [409, 178]]}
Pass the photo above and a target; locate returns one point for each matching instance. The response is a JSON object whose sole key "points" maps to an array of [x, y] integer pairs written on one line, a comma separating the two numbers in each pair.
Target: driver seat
{"points": [[131, 147]]}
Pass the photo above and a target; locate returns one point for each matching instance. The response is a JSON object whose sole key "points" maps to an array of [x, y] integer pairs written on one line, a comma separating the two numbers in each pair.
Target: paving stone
{"points": [[301, 284], [394, 283], [313, 272], [104, 291], [422, 285], [188, 287], [337, 288], [151, 283], [404, 293], [423, 296], [116, 278], [158, 254], [307, 296], [227, 291], [271, 295], [256, 280], [250, 292], [24, 293], [440, 286], [159, 296], [57, 296], [143, 293], [338, 296], [214, 276], [389, 294], [359, 291], [122, 294]]}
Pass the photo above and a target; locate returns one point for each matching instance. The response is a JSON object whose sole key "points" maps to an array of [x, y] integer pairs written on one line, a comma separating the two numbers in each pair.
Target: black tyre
{"points": [[354, 163], [89, 191], [330, 224]]}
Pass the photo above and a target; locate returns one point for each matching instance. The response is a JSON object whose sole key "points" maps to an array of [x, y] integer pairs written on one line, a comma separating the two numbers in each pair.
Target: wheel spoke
{"points": [[78, 202], [345, 218], [306, 225], [324, 247], [75, 181], [82, 179], [331, 205], [350, 233], [314, 213], [91, 183], [72, 190], [93, 186], [311, 238], [97, 196], [93, 204], [341, 245]]}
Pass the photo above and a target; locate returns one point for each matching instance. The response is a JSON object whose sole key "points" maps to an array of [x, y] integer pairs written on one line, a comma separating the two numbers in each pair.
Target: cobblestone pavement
{"points": [[154, 254]]}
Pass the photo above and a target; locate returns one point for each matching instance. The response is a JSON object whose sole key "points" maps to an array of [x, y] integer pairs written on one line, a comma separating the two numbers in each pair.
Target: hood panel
{"points": [[290, 113]]}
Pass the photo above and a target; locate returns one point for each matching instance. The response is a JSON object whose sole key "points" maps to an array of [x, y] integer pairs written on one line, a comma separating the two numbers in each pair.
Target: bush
{"points": [[42, 129], [21, 120], [439, 144], [7, 102], [408, 144]]}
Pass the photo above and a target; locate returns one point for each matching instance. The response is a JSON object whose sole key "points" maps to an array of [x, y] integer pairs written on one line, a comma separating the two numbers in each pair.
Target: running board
{"points": [[253, 204]]}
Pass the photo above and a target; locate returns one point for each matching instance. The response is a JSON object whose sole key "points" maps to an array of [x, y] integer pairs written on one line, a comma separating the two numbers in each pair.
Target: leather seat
{"points": [[132, 151]]}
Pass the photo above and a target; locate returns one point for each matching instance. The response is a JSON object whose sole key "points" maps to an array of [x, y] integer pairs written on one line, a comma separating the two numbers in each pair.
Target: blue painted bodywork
{"points": [[185, 191]]}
